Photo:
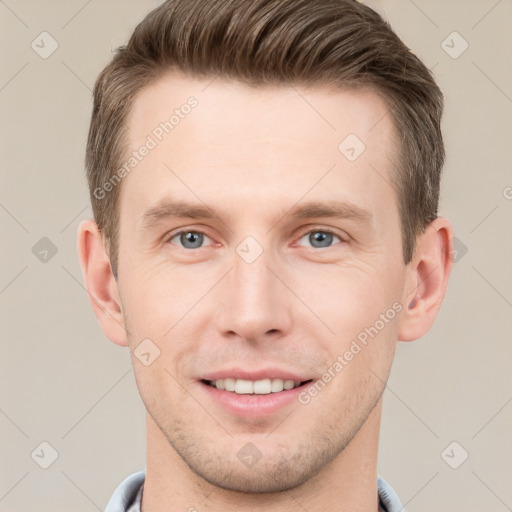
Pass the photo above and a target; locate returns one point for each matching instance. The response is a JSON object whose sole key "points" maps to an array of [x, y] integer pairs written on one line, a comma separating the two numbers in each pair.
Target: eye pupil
{"points": [[322, 237], [192, 237], [195, 239]]}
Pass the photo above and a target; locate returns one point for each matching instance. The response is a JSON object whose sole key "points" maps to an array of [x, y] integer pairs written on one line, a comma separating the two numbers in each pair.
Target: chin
{"points": [[255, 481]]}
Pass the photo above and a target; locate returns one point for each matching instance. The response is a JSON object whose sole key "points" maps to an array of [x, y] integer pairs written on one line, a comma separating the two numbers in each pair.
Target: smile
{"points": [[254, 387]]}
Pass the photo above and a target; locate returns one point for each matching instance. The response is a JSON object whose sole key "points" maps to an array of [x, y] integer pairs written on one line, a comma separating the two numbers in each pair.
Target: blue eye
{"points": [[320, 238], [190, 239]]}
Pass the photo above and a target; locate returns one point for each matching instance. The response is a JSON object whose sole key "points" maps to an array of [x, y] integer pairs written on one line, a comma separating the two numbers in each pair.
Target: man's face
{"points": [[258, 291]]}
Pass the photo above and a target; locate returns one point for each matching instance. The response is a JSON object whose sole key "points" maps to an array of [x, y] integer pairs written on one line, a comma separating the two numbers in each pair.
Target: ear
{"points": [[427, 280], [100, 282]]}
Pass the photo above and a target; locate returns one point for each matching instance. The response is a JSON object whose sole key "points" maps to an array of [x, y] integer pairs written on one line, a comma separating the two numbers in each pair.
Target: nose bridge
{"points": [[254, 305], [252, 278]]}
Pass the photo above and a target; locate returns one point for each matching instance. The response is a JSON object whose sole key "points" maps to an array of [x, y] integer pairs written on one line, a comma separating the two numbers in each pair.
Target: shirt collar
{"points": [[128, 495]]}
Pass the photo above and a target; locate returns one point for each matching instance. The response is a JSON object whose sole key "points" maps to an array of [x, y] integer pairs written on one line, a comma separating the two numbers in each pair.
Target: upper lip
{"points": [[254, 375]]}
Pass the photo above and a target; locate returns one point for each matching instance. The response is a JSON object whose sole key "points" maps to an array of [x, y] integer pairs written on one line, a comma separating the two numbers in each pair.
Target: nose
{"points": [[255, 304]]}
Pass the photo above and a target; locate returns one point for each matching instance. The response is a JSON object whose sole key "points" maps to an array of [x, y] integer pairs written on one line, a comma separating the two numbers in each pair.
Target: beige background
{"points": [[63, 383]]}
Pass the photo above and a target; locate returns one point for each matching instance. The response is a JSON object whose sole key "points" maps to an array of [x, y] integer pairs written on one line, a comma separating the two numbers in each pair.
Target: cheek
{"points": [[164, 306], [158, 387], [361, 309], [346, 296], [166, 385], [155, 297]]}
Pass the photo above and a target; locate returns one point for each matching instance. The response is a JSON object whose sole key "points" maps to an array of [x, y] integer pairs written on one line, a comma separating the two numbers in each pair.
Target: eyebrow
{"points": [[168, 209]]}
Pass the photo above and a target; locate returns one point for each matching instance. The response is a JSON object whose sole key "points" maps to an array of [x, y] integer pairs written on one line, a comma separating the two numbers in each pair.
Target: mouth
{"points": [[253, 394], [255, 387]]}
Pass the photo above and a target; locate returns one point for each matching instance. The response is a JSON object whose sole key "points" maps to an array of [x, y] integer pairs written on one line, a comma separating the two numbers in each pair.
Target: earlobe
{"points": [[427, 280], [100, 282]]}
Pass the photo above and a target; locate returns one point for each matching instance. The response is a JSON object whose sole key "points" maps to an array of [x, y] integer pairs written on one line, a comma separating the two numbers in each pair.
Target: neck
{"points": [[347, 483]]}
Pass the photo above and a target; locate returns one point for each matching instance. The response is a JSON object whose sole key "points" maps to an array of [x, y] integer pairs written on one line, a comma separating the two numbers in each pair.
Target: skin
{"points": [[251, 155]]}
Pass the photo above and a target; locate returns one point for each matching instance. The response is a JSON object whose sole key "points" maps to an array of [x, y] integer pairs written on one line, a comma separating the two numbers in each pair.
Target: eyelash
{"points": [[322, 230]]}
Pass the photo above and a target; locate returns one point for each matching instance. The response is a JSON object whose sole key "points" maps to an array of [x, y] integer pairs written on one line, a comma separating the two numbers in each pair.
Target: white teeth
{"points": [[262, 387], [288, 384], [258, 387], [243, 387], [277, 385], [229, 384]]}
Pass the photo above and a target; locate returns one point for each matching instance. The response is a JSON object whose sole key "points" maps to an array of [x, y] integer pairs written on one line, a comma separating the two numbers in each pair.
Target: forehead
{"points": [[214, 139], [265, 111]]}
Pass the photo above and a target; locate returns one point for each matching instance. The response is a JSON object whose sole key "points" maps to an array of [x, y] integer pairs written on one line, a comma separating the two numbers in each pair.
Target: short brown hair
{"points": [[342, 43]]}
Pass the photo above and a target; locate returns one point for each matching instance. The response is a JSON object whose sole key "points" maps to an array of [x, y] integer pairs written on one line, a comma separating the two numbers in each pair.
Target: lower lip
{"points": [[251, 406]]}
